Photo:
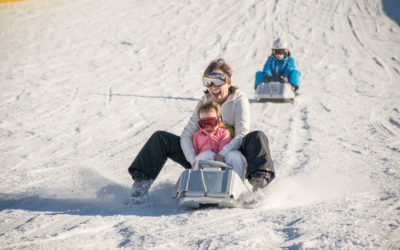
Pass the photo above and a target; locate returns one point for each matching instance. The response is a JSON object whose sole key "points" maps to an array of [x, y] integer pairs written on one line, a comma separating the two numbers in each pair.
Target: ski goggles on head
{"points": [[210, 122], [279, 51], [216, 79]]}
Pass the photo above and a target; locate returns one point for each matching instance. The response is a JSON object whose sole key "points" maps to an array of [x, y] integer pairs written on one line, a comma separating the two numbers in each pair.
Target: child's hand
{"points": [[219, 157], [268, 78]]}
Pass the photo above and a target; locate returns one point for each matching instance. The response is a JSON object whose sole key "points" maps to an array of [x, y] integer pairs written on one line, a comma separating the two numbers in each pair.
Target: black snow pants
{"points": [[163, 145]]}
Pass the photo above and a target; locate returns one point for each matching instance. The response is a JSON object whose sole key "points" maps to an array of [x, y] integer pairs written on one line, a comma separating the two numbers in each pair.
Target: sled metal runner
{"points": [[215, 184], [274, 92]]}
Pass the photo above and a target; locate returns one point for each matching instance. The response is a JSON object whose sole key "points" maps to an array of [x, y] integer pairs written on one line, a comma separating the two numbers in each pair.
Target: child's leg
{"points": [[237, 161], [205, 155], [294, 78], [259, 78]]}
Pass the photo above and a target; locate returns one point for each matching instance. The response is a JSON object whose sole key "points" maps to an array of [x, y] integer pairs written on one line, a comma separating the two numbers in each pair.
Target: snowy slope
{"points": [[83, 84]]}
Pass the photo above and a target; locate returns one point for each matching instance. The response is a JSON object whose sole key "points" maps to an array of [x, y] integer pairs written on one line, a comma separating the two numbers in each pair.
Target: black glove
{"points": [[283, 79], [268, 78]]}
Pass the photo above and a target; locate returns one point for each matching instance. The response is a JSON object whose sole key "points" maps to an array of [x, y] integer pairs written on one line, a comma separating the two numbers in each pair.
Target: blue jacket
{"points": [[283, 67]]}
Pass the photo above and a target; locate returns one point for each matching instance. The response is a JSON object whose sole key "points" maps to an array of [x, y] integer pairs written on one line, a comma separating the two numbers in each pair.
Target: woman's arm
{"points": [[241, 114], [226, 139], [196, 143], [188, 133], [268, 66]]}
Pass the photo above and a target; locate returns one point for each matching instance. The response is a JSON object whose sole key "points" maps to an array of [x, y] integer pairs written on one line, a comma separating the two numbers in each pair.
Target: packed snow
{"points": [[83, 84]]}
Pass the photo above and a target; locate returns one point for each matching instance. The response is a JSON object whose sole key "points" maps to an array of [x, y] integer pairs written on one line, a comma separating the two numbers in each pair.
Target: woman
{"points": [[235, 113]]}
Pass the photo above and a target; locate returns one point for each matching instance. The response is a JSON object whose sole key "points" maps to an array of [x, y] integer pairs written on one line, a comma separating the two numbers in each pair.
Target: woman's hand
{"points": [[219, 157]]}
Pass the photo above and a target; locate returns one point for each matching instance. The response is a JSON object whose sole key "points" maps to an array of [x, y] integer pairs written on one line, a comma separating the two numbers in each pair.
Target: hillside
{"points": [[83, 84]]}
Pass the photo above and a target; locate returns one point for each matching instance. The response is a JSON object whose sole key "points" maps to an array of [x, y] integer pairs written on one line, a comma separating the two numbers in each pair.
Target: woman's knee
{"points": [[161, 137], [257, 134], [159, 133]]}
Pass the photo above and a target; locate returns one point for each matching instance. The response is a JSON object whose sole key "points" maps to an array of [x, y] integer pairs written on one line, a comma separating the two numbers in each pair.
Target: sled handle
{"points": [[213, 164], [203, 182]]}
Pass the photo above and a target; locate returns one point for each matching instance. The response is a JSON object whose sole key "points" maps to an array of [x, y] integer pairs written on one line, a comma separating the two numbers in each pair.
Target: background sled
{"points": [[215, 184], [274, 92]]}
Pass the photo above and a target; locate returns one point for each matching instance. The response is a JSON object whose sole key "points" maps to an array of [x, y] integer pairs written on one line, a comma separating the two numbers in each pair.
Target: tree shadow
{"points": [[110, 200], [392, 9], [110, 95]]}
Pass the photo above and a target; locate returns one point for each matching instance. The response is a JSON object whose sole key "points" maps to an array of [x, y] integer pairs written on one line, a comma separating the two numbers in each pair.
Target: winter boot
{"points": [[141, 185], [140, 188], [260, 179]]}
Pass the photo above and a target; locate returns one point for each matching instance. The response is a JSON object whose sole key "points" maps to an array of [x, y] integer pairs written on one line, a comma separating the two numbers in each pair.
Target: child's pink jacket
{"points": [[214, 142]]}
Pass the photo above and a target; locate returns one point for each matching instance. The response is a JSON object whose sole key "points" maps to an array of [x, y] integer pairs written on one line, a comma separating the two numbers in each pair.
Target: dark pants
{"points": [[163, 145], [255, 147]]}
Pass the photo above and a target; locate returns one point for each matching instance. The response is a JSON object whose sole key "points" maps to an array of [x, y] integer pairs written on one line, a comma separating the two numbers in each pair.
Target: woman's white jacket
{"points": [[235, 112]]}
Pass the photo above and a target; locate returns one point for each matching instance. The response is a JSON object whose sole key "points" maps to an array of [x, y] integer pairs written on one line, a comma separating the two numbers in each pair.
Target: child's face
{"points": [[280, 53], [207, 114], [279, 56]]}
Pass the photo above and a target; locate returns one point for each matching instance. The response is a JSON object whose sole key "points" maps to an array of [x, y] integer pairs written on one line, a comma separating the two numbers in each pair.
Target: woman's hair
{"points": [[208, 106], [220, 64]]}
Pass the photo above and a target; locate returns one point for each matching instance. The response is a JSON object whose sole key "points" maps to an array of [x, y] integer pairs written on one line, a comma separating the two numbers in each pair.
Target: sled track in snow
{"points": [[84, 84], [385, 120]]}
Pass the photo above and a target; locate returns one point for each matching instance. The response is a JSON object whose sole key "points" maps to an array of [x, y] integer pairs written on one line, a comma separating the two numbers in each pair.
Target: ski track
{"points": [[84, 84]]}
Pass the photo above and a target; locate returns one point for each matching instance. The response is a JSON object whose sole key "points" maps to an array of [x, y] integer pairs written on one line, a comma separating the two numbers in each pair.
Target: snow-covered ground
{"points": [[83, 84]]}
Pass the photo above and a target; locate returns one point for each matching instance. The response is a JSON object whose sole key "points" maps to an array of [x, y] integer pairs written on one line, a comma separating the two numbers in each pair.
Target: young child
{"points": [[280, 66], [212, 137]]}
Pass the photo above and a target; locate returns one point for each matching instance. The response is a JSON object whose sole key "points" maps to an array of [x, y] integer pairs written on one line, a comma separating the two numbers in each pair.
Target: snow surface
{"points": [[83, 85]]}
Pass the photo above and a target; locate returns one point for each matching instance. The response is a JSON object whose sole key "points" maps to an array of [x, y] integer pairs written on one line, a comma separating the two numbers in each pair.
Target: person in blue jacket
{"points": [[280, 66]]}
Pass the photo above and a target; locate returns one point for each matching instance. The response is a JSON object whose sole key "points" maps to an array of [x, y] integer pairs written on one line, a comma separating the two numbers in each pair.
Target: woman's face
{"points": [[219, 94]]}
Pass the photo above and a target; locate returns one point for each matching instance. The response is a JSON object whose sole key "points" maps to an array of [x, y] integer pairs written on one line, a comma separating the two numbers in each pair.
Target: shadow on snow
{"points": [[110, 200], [110, 95]]}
